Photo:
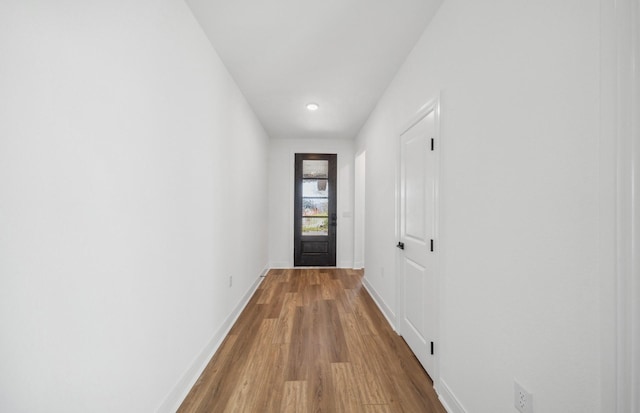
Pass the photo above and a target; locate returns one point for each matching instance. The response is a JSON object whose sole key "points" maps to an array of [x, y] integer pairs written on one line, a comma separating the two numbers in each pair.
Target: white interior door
{"points": [[417, 256]]}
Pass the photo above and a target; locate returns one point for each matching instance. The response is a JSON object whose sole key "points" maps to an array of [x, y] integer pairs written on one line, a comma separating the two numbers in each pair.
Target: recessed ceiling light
{"points": [[313, 106]]}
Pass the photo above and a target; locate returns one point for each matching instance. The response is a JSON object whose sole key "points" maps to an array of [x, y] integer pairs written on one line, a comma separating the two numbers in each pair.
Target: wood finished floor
{"points": [[312, 340]]}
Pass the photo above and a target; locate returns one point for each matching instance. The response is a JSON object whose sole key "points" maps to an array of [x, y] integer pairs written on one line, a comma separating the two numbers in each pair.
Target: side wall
{"points": [[281, 184], [520, 297], [131, 168]]}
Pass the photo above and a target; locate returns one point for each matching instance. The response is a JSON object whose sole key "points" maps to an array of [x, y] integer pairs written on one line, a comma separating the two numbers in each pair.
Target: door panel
{"points": [[414, 223], [417, 230], [315, 210], [414, 305]]}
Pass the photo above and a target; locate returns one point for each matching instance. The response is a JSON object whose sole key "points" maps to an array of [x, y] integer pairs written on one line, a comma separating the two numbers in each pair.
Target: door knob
{"points": [[400, 245]]}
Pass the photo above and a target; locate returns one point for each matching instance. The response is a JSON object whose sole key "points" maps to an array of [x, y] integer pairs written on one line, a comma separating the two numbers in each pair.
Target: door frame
{"points": [[332, 234], [432, 104], [619, 187], [359, 208]]}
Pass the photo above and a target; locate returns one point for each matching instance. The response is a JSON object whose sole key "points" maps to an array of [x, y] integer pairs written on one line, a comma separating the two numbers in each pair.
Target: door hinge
{"points": [[432, 348], [433, 144], [431, 245]]}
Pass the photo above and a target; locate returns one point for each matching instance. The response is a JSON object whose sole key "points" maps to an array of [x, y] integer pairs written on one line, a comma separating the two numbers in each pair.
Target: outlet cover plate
{"points": [[522, 399]]}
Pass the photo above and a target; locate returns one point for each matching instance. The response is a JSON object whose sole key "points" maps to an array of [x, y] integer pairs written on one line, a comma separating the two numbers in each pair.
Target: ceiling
{"points": [[341, 54]]}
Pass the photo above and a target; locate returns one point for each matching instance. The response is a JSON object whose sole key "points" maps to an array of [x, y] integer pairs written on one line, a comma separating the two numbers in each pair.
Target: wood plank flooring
{"points": [[312, 340]]}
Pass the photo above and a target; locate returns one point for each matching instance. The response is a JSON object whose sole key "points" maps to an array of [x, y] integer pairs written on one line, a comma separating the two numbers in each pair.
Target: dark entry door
{"points": [[315, 210]]}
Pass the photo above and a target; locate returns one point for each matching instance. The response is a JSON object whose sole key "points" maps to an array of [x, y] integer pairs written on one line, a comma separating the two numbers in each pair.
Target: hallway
{"points": [[312, 340], [147, 186]]}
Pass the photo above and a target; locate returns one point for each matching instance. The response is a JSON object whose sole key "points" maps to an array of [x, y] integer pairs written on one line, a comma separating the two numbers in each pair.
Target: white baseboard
{"points": [[358, 265], [384, 308], [445, 395], [447, 398], [175, 398]]}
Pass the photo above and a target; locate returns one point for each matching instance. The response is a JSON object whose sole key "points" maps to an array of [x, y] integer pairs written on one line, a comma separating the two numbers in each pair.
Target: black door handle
{"points": [[400, 245]]}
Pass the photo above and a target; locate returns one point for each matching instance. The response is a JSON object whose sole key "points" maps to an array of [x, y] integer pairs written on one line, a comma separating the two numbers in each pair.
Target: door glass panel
{"points": [[315, 226], [318, 188], [315, 207], [315, 169]]}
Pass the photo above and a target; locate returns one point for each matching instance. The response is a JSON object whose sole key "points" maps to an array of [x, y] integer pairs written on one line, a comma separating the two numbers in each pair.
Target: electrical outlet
{"points": [[522, 399], [230, 280]]}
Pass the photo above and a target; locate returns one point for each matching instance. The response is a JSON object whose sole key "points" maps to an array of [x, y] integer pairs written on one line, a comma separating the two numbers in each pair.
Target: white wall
{"points": [[519, 84], [131, 169], [281, 185]]}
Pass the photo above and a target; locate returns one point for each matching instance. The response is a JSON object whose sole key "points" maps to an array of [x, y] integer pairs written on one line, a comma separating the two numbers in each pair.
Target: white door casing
{"points": [[619, 187], [417, 231]]}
